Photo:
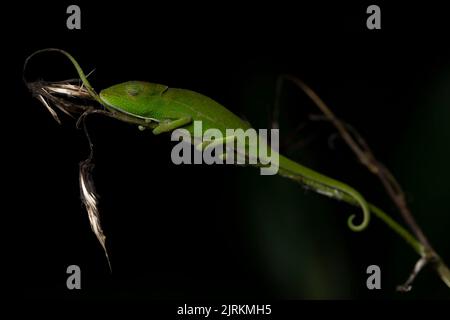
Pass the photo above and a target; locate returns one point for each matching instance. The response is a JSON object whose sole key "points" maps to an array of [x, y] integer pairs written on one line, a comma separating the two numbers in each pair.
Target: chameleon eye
{"points": [[133, 89]]}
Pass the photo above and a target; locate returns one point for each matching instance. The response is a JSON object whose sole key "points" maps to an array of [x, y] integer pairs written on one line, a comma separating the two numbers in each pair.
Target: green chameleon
{"points": [[172, 108], [163, 109]]}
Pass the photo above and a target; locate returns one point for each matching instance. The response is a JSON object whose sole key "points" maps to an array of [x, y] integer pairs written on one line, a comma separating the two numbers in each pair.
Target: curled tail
{"points": [[327, 186], [364, 207]]}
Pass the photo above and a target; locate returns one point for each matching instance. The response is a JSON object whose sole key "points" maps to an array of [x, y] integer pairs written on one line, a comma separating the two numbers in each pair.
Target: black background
{"points": [[221, 232]]}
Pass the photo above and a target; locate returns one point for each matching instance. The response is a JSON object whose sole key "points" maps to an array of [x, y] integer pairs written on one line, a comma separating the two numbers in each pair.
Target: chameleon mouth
{"points": [[109, 104], [107, 98]]}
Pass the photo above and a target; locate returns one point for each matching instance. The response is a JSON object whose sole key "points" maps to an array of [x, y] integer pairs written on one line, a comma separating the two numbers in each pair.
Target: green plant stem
{"points": [[397, 228]]}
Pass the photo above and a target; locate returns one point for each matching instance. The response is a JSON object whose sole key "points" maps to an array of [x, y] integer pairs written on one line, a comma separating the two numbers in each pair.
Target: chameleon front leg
{"points": [[170, 125]]}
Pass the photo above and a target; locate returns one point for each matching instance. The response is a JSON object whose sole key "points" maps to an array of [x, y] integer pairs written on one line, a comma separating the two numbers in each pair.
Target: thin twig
{"points": [[365, 155], [407, 286], [367, 158]]}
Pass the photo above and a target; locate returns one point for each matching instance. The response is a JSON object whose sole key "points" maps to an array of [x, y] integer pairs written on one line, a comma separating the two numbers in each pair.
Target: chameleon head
{"points": [[130, 97]]}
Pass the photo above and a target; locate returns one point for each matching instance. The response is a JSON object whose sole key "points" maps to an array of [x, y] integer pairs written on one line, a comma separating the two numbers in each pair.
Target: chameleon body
{"points": [[171, 108]]}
